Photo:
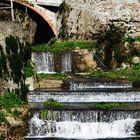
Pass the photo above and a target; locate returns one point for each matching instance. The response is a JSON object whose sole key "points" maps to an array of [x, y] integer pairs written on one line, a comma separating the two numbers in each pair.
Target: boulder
{"points": [[137, 128], [136, 46], [136, 60], [13, 122], [83, 60]]}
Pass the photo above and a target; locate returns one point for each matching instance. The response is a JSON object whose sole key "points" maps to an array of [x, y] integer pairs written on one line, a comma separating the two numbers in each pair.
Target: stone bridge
{"points": [[37, 7]]}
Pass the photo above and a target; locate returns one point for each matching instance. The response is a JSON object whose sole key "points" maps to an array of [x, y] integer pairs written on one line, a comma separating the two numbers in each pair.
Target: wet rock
{"points": [[136, 84], [137, 128]]}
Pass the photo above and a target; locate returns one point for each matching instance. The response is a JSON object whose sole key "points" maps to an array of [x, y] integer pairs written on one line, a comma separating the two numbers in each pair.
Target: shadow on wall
{"points": [[43, 31]]}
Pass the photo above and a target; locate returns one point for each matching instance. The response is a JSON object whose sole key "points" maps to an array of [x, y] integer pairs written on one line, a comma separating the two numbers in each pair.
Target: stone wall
{"points": [[23, 26], [87, 16]]}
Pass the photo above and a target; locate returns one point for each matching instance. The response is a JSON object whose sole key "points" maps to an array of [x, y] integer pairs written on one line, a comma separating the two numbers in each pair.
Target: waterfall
{"points": [[84, 96], [44, 62], [66, 62], [87, 127], [90, 85]]}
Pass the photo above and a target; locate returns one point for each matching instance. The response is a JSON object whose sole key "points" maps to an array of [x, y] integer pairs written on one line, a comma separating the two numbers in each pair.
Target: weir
{"points": [[80, 122], [44, 62]]}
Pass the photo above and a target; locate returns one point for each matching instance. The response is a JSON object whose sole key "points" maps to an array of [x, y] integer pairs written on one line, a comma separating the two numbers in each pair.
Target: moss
{"points": [[131, 74], [53, 104], [60, 46], [109, 106], [43, 114]]}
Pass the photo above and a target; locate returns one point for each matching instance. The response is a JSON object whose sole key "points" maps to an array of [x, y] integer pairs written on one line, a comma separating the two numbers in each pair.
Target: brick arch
{"points": [[48, 16]]}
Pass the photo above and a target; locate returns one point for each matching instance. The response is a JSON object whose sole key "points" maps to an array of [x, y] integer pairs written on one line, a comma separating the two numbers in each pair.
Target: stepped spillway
{"points": [[80, 122]]}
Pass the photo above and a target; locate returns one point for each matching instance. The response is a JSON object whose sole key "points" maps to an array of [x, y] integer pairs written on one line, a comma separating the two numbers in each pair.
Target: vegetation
{"points": [[132, 74], [15, 64], [10, 100], [60, 46], [28, 70], [109, 105], [53, 104], [109, 40], [64, 10]]}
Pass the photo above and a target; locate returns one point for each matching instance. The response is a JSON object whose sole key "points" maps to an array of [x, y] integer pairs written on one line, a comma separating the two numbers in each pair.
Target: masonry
{"points": [[87, 16]]}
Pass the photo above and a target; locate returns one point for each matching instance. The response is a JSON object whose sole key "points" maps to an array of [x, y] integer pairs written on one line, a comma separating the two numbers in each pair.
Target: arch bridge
{"points": [[43, 12]]}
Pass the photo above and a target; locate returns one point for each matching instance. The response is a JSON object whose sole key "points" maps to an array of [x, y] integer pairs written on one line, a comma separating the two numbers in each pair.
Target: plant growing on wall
{"points": [[109, 40], [64, 10], [13, 61]]}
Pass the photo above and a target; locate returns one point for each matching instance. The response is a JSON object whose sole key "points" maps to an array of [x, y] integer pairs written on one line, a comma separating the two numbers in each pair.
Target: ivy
{"points": [[14, 62]]}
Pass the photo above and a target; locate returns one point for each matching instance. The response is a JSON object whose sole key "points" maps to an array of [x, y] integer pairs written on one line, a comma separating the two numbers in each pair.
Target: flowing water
{"points": [[89, 84], [86, 124], [66, 62], [44, 62], [85, 96]]}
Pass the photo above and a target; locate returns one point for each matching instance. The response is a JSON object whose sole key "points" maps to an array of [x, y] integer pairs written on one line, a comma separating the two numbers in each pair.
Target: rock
{"points": [[136, 60], [30, 82], [136, 84], [137, 128], [136, 46], [49, 84], [83, 60], [13, 122], [87, 16]]}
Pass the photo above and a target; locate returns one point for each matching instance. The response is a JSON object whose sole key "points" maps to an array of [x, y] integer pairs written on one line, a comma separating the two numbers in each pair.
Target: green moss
{"points": [[43, 114], [132, 74], [60, 46], [109, 106], [28, 70], [53, 104]]}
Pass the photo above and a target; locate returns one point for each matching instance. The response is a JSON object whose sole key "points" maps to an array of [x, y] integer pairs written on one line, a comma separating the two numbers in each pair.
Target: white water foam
{"points": [[85, 96], [77, 130], [44, 62]]}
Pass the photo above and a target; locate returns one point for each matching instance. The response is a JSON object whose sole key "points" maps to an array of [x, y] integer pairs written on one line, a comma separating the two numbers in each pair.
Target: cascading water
{"points": [[44, 62], [84, 125], [74, 85], [85, 96], [66, 62]]}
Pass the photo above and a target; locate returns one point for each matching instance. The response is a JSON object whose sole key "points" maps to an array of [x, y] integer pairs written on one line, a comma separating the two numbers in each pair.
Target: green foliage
{"points": [[28, 70], [63, 7], [10, 100], [16, 113], [63, 46], [64, 10], [132, 74], [16, 58], [2, 117], [43, 114], [53, 104], [108, 40], [109, 105]]}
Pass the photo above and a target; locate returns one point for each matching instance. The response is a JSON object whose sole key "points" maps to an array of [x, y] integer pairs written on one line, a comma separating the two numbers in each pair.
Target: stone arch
{"points": [[45, 15]]}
